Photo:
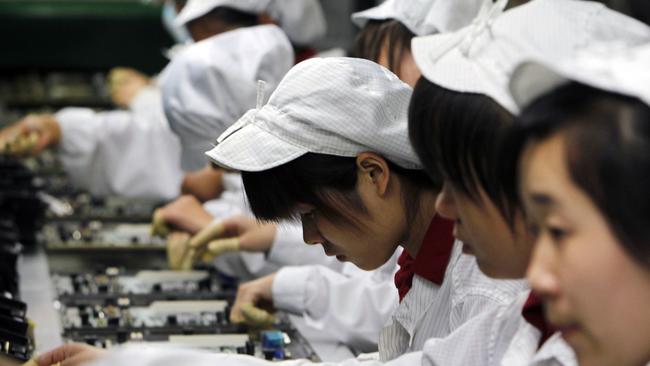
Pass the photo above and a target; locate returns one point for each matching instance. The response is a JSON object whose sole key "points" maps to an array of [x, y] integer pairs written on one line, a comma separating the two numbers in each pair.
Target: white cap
{"points": [[210, 84], [302, 20], [197, 8], [607, 67], [481, 57], [423, 17], [335, 106]]}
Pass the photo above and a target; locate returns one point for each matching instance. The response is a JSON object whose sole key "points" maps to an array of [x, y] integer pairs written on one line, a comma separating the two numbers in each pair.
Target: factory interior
{"points": [[324, 182]]}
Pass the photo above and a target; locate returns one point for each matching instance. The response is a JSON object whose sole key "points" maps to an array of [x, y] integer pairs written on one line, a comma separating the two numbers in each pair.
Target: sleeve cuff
{"points": [[290, 288], [286, 238]]}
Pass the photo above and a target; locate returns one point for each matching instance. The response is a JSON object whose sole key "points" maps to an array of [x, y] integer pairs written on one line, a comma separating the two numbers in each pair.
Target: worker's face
{"points": [[407, 71], [593, 290], [367, 239], [500, 251]]}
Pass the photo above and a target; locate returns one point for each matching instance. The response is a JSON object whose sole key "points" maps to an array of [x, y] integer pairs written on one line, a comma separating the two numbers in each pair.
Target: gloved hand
{"points": [[124, 84], [254, 303], [238, 233], [179, 255], [184, 214], [31, 135]]}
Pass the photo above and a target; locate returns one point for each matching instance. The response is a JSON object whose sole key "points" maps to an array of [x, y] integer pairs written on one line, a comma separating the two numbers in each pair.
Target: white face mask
{"points": [[180, 34]]}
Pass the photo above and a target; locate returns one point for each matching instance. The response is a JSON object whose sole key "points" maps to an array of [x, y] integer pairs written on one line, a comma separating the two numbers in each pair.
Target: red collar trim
{"points": [[533, 312], [432, 259]]}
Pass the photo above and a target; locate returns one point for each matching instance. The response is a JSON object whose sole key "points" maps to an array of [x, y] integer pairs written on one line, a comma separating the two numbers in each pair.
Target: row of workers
{"points": [[512, 154]]}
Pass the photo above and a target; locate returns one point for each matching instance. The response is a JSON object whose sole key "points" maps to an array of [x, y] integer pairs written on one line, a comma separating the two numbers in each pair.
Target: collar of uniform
{"points": [[432, 259], [533, 313]]}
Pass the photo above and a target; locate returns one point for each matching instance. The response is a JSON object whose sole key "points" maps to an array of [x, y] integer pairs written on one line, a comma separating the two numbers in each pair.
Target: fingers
{"points": [[158, 225], [179, 255], [72, 354], [203, 237], [256, 292], [256, 317], [218, 247]]}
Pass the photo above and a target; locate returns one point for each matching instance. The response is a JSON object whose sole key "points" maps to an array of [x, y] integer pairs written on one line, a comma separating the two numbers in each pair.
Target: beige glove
{"points": [[19, 144], [31, 362], [255, 317], [158, 225], [206, 249], [179, 254]]}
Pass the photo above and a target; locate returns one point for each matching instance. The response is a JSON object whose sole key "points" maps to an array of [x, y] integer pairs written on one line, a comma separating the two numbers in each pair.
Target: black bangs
{"points": [[607, 140], [458, 136], [315, 179], [377, 33]]}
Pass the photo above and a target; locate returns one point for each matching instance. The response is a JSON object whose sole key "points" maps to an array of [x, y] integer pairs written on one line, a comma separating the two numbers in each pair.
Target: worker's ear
{"points": [[372, 169]]}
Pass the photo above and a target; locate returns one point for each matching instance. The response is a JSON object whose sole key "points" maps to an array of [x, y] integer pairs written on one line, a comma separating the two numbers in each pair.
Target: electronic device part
{"points": [[96, 235]]}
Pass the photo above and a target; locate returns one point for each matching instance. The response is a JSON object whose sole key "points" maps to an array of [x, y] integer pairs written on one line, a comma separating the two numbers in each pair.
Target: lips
{"points": [[329, 249]]}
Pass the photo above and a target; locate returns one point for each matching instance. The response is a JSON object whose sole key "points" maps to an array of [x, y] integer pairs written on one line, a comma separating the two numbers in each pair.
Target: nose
{"points": [[310, 233], [445, 204], [541, 273]]}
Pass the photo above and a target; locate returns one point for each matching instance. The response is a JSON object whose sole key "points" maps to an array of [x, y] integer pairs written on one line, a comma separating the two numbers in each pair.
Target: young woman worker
{"points": [[463, 103], [583, 147]]}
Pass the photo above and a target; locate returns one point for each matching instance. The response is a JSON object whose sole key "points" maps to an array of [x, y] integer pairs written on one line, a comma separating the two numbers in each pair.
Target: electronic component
{"points": [[72, 235], [85, 207], [114, 286], [16, 338]]}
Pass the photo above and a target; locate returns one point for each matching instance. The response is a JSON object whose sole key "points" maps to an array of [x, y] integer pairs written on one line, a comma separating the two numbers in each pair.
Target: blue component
{"points": [[273, 339]]}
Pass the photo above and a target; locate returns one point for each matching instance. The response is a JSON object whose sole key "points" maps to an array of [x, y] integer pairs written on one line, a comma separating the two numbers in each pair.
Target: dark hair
{"points": [[232, 17], [458, 136], [608, 154], [324, 181], [377, 33]]}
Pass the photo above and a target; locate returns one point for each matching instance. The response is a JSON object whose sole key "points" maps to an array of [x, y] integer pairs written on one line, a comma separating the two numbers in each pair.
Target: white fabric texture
{"points": [[129, 153], [609, 66], [350, 305], [194, 9], [432, 311], [480, 58], [335, 106], [423, 17], [500, 337], [302, 20], [211, 83]]}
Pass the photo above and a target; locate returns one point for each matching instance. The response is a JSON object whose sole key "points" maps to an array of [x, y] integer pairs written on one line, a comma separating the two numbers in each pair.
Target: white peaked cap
{"points": [[335, 106], [423, 17], [480, 58], [607, 66]]}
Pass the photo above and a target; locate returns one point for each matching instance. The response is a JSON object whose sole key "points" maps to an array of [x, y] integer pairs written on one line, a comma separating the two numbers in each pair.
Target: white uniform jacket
{"points": [[130, 153]]}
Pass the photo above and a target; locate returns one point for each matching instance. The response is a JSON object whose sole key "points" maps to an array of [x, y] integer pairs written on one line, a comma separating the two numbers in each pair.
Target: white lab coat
{"points": [[432, 311], [130, 153], [210, 84], [349, 305]]}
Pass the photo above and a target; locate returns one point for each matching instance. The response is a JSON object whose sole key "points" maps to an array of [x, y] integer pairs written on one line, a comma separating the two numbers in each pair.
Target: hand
{"points": [[254, 302], [238, 233], [179, 256], [31, 135], [71, 354], [205, 184], [184, 214], [124, 84]]}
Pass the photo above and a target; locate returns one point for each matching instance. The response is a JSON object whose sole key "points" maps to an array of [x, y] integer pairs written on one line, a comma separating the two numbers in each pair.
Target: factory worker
{"points": [[387, 30], [94, 146], [313, 164], [358, 190], [584, 147], [460, 116], [328, 310]]}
